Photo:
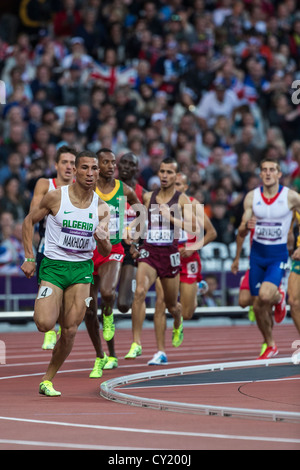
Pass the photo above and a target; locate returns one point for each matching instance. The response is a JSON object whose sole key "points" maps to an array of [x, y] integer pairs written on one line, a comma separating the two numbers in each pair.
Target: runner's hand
{"points": [[100, 233], [28, 268]]}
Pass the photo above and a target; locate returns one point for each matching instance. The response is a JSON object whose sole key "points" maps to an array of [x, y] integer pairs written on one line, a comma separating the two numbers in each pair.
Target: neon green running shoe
{"points": [[49, 340], [263, 348], [46, 388], [251, 314], [177, 336], [108, 327], [112, 363], [134, 352], [98, 367]]}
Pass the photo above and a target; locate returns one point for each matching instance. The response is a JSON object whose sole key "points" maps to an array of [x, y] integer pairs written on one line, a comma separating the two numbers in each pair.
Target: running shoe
{"points": [[49, 340], [280, 308], [263, 348], [98, 367], [134, 352], [251, 314], [46, 388], [270, 352], [177, 336], [108, 327], [159, 358], [112, 363]]}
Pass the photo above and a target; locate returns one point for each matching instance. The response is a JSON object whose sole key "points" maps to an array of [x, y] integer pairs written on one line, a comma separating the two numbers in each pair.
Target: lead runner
{"points": [[77, 221]]}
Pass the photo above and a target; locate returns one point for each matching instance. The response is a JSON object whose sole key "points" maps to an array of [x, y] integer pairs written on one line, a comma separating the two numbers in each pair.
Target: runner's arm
{"points": [[41, 188], [48, 204], [248, 213]]}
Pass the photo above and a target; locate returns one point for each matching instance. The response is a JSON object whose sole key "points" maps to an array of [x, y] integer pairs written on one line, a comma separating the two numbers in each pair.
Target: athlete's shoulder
{"points": [[42, 185], [184, 199], [51, 198], [293, 198]]}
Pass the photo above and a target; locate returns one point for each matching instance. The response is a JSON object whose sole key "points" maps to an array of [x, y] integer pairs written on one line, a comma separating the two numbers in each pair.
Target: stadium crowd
{"points": [[210, 83]]}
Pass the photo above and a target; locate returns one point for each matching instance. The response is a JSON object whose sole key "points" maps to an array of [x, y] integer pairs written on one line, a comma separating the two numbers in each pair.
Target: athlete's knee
{"points": [[108, 295], [43, 324], [68, 333], [123, 307], [140, 293], [187, 314], [266, 296], [173, 308], [294, 301]]}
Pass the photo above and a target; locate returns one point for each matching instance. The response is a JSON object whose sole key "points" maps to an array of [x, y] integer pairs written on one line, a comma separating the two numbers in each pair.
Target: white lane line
{"points": [[155, 431], [64, 445]]}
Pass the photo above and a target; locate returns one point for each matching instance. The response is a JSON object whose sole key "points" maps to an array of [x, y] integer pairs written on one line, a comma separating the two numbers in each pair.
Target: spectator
{"points": [[12, 248], [44, 81], [91, 31], [218, 102], [13, 168], [169, 68], [222, 223], [216, 168], [282, 115], [150, 16], [74, 89], [78, 56], [66, 21], [211, 298], [14, 200], [200, 74], [157, 153], [6, 225]]}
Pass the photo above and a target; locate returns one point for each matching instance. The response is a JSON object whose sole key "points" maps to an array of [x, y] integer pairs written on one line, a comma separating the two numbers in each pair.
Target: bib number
{"points": [[175, 260]]}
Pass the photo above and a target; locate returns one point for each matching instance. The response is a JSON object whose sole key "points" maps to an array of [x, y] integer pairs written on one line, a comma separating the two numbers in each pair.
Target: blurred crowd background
{"points": [[211, 83]]}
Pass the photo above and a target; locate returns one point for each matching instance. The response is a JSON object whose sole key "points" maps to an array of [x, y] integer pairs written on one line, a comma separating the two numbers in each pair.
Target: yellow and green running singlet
{"points": [[116, 203]]}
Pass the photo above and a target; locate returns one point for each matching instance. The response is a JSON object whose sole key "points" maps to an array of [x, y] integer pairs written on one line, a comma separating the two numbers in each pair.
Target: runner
{"points": [[190, 276], [65, 168], [128, 168], [245, 297], [159, 255], [107, 269], [77, 219], [294, 282], [272, 205]]}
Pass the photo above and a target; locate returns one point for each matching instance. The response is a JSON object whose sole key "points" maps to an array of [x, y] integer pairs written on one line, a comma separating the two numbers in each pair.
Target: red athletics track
{"points": [[82, 419]]}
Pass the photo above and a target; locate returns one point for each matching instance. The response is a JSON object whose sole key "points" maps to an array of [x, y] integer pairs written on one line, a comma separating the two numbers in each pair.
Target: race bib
{"points": [[268, 231], [75, 241], [160, 236]]}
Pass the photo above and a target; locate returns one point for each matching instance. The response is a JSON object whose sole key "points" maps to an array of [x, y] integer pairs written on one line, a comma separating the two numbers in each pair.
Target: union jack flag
{"points": [[112, 77]]}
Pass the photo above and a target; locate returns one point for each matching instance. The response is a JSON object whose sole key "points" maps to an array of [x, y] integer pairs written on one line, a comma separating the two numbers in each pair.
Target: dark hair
{"points": [[84, 153], [103, 150], [65, 149], [170, 160], [265, 160], [128, 155]]}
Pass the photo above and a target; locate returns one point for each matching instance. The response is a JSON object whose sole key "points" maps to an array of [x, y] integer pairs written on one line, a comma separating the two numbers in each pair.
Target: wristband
{"points": [[30, 260]]}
